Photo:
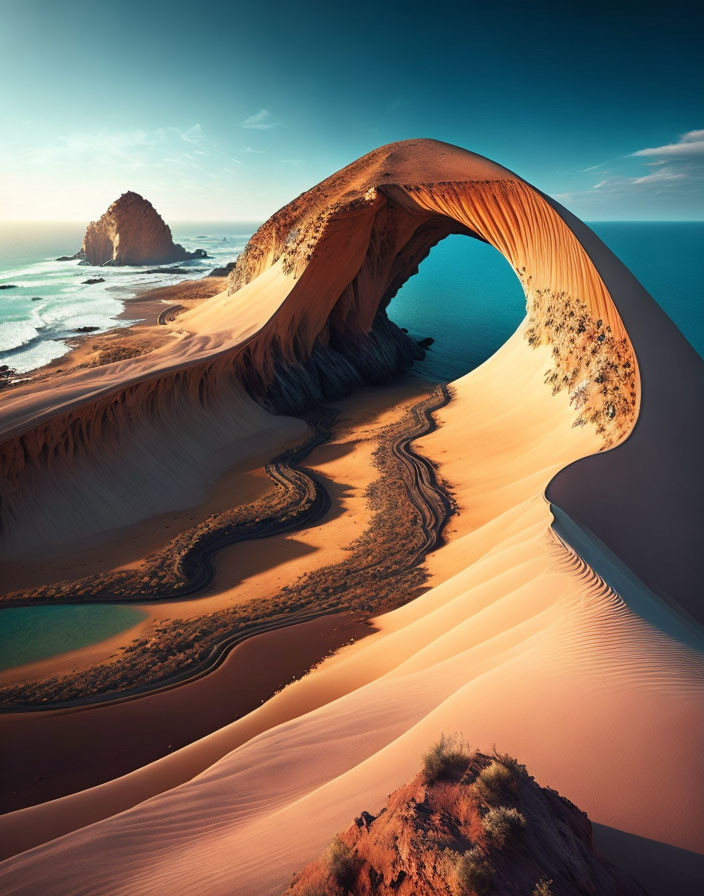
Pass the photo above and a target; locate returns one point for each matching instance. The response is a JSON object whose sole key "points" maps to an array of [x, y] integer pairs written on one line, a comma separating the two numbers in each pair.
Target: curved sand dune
{"points": [[311, 282], [294, 326], [520, 642]]}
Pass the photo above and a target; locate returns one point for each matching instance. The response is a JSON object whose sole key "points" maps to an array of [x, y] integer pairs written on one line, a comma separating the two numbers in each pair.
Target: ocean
{"points": [[465, 295], [467, 298], [50, 302]]}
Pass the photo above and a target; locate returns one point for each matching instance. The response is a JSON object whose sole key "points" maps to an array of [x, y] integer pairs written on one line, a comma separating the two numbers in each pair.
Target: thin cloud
{"points": [[193, 135], [670, 167], [295, 162], [260, 121], [689, 145], [131, 148], [660, 178]]}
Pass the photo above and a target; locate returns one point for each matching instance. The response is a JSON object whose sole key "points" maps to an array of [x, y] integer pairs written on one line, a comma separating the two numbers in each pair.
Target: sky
{"points": [[227, 110]]}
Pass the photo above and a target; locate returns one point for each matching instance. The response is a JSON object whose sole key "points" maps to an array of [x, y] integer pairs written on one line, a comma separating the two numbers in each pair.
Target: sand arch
{"points": [[303, 317]]}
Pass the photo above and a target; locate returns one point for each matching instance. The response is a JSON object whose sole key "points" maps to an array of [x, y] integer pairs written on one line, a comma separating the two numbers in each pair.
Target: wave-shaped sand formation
{"points": [[308, 289], [523, 639]]}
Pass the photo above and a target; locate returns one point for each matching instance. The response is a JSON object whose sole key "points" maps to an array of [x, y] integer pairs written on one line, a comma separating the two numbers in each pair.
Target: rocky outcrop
{"points": [[333, 369], [468, 824], [132, 232], [224, 271]]}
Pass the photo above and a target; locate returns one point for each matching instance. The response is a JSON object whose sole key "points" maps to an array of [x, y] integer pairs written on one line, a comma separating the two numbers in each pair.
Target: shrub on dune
{"points": [[447, 759], [495, 782], [501, 824], [342, 864], [472, 874]]}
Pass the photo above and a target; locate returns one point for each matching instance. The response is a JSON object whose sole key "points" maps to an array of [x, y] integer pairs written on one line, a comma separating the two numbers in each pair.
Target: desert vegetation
{"points": [[469, 824], [589, 361], [447, 759], [383, 570]]}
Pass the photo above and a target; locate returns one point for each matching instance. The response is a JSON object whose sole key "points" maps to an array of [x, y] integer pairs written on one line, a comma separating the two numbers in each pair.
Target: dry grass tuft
{"points": [[447, 759], [496, 782], [501, 824], [342, 864], [472, 874]]}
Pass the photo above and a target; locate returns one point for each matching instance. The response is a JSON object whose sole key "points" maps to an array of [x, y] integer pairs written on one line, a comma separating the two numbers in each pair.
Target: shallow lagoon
{"points": [[28, 634]]}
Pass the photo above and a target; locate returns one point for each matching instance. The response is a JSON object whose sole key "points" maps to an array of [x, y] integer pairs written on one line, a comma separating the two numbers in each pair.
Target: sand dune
{"points": [[566, 645], [294, 325], [522, 645]]}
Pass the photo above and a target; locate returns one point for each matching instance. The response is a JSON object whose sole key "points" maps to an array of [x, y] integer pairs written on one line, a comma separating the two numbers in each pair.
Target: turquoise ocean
{"points": [[465, 297]]}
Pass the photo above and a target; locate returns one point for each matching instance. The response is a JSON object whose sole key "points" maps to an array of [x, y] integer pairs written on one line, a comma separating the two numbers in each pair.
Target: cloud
{"points": [[295, 162], [689, 145], [260, 121], [110, 146], [399, 103], [662, 178], [193, 135], [658, 177], [128, 149], [671, 167]]}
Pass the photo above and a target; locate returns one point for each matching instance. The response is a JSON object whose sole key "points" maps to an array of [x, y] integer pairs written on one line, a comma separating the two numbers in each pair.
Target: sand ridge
{"points": [[519, 645]]}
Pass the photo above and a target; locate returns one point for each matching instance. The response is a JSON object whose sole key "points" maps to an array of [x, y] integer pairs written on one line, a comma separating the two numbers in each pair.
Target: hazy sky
{"points": [[228, 110]]}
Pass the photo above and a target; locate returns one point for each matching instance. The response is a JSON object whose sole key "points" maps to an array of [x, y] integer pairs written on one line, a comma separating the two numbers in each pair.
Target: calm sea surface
{"points": [[465, 296]]}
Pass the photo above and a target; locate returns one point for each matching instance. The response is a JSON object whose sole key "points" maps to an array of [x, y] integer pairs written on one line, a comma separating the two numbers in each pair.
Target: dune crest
{"points": [[303, 319]]}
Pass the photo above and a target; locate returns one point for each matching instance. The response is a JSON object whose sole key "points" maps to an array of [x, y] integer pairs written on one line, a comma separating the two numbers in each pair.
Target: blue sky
{"points": [[228, 110]]}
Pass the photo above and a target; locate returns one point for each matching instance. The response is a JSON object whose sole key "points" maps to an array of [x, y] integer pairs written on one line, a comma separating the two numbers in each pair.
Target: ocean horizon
{"points": [[50, 304]]}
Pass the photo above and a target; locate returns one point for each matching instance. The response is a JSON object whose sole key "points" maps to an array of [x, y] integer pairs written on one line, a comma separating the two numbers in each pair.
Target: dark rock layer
{"points": [[332, 371]]}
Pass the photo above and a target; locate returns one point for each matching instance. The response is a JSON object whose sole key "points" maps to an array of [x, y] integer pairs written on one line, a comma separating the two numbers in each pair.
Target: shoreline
{"points": [[145, 306]]}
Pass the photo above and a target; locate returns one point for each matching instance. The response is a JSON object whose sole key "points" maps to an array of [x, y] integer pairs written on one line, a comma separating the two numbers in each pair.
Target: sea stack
{"points": [[132, 232]]}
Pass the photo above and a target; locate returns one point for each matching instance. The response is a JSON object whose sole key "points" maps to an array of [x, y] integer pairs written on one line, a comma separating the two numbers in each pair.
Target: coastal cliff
{"points": [[132, 232]]}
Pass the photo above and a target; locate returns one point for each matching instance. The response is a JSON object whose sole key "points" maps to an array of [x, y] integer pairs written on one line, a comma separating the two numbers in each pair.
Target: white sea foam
{"points": [[51, 300], [24, 360], [15, 333]]}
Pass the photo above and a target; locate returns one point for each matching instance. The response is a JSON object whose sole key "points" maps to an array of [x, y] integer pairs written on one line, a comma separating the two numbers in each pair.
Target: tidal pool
{"points": [[28, 634]]}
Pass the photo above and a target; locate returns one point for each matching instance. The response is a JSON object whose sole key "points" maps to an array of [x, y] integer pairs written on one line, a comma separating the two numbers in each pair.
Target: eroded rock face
{"points": [[132, 232], [482, 825]]}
